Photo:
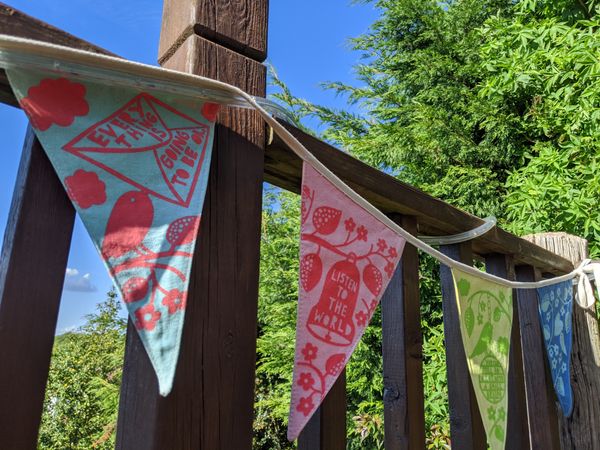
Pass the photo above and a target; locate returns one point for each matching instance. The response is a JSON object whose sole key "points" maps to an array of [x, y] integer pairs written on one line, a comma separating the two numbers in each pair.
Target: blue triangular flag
{"points": [[556, 314]]}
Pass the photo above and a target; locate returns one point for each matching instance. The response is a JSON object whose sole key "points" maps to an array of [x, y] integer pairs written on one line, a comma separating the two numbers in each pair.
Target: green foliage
{"points": [[82, 394], [542, 69], [491, 105]]}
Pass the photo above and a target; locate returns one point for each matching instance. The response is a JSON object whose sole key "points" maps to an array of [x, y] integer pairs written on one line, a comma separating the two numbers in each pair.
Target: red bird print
{"points": [[128, 224]]}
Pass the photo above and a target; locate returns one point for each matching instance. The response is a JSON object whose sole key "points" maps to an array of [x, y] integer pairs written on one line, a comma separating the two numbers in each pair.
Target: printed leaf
{"points": [[463, 287], [469, 320], [558, 326], [484, 340], [499, 433]]}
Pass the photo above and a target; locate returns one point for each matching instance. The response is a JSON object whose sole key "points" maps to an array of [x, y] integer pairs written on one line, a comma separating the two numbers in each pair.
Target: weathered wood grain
{"points": [[466, 427], [541, 412], [240, 25], [16, 23], [403, 399], [580, 430], [211, 405], [435, 217], [517, 429], [32, 269]]}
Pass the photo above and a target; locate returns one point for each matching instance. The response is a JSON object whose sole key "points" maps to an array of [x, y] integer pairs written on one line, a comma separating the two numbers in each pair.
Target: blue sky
{"points": [[308, 44]]}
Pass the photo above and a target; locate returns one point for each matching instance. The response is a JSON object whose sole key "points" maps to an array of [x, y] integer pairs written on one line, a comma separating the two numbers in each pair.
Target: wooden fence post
{"points": [[541, 414], [34, 259], [466, 427], [404, 417], [581, 429], [212, 403], [517, 429]]}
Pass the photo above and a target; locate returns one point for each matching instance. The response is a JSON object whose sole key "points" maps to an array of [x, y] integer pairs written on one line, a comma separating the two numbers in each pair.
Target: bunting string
{"points": [[146, 76]]}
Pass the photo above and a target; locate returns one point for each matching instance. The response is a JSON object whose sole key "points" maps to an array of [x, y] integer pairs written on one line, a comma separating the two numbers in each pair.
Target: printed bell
{"points": [[330, 320]]}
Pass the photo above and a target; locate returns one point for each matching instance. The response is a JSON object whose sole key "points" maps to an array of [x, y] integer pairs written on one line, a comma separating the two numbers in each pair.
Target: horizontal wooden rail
{"points": [[436, 217], [283, 168]]}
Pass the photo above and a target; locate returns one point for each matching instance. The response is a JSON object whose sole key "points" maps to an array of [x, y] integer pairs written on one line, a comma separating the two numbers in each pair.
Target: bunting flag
{"points": [[347, 259], [556, 312], [135, 165], [485, 310]]}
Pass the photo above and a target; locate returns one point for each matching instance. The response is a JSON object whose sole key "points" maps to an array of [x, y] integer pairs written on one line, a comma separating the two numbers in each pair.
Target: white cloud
{"points": [[76, 282]]}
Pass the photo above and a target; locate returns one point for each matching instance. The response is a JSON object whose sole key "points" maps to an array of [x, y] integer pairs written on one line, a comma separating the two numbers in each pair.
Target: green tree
{"points": [[490, 105], [82, 394]]}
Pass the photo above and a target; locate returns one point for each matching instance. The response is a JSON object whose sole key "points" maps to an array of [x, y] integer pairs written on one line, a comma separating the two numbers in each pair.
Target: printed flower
{"points": [[501, 413], [381, 245], [393, 252], [146, 317], [55, 101], [361, 318], [479, 318], [306, 381], [210, 111], [309, 352], [563, 368], [389, 269], [174, 300], [362, 233], [491, 413], [85, 188], [349, 224], [305, 406]]}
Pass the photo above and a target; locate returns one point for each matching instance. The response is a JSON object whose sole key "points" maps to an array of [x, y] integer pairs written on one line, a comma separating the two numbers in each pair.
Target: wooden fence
{"points": [[211, 405]]}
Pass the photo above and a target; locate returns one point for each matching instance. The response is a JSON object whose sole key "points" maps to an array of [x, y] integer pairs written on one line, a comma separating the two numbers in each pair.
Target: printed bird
{"points": [[128, 224]]}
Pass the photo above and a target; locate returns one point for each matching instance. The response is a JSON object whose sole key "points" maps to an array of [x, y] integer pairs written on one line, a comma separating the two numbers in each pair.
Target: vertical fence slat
{"points": [[466, 427], [212, 402], [404, 417], [517, 430], [541, 413], [32, 270]]}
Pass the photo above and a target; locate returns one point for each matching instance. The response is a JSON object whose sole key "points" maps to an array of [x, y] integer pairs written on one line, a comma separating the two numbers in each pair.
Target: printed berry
{"points": [[311, 269], [182, 231], [134, 289], [373, 279], [326, 219], [335, 364]]}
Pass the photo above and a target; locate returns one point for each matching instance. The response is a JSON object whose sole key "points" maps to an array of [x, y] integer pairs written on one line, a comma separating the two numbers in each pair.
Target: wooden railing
{"points": [[211, 406]]}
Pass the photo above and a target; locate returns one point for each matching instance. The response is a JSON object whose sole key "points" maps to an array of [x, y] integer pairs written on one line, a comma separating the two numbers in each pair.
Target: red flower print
{"points": [[349, 224], [210, 111], [85, 188], [306, 381], [381, 244], [335, 364], [174, 300], [309, 351], [305, 406], [361, 318], [393, 252], [389, 269], [55, 101], [146, 317], [361, 233]]}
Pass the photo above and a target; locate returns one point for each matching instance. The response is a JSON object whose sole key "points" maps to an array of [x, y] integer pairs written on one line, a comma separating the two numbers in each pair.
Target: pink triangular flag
{"points": [[347, 258]]}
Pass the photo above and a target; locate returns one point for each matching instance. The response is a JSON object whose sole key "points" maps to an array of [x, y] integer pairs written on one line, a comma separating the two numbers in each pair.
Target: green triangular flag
{"points": [[485, 311]]}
